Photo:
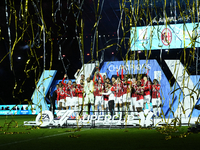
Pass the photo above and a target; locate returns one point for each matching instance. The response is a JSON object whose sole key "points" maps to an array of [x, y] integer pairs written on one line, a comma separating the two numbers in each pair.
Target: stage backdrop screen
{"points": [[172, 36]]}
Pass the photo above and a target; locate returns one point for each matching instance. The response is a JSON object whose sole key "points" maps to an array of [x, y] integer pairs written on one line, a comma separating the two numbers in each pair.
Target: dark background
{"points": [[18, 84]]}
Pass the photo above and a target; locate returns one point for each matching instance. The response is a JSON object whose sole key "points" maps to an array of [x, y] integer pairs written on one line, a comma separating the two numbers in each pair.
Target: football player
{"points": [[156, 101], [118, 94], [89, 98], [80, 94], [133, 94], [140, 97], [61, 97], [98, 88], [147, 89]]}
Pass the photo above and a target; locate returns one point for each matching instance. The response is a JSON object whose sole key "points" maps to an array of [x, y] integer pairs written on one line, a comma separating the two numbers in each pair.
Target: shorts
{"points": [[147, 99], [118, 100], [68, 101], [126, 98], [89, 99], [74, 101], [133, 100], [80, 100], [156, 101], [105, 104], [139, 103], [61, 102], [98, 100]]}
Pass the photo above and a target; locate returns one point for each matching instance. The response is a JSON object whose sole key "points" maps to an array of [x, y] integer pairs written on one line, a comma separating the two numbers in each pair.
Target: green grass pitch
{"points": [[25, 137]]}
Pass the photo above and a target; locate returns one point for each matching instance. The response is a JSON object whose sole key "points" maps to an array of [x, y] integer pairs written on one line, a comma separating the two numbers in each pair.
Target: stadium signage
{"points": [[112, 68], [170, 36], [144, 117], [44, 118]]}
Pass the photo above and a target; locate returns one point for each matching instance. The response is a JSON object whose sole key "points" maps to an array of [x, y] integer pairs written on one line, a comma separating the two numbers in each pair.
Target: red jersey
{"points": [[57, 90], [147, 87], [69, 90], [61, 94], [139, 90], [80, 90], [74, 91], [98, 88], [119, 86], [118, 90], [156, 91]]}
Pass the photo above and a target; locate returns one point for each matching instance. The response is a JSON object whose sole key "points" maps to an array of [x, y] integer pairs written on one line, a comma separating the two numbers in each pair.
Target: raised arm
{"points": [[76, 74], [117, 73], [122, 75], [63, 80]]}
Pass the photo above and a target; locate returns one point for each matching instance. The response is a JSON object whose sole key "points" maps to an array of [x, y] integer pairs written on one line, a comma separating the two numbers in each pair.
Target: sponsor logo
{"points": [[45, 117], [166, 36]]}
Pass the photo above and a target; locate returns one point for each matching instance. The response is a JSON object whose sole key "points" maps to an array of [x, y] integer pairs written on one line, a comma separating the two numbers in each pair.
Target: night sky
{"points": [[28, 56]]}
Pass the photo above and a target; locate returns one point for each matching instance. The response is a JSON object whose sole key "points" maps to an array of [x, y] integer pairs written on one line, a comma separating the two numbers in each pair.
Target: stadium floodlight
{"points": [[19, 57]]}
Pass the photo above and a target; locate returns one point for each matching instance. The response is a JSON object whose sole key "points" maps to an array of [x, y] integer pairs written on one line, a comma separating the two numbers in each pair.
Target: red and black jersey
{"points": [[98, 88], [80, 90], [147, 87], [124, 87], [134, 87], [139, 90], [142, 82], [106, 97], [156, 91]]}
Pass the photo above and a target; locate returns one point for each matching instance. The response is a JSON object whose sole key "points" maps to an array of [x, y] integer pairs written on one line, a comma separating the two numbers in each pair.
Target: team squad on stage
{"points": [[118, 95]]}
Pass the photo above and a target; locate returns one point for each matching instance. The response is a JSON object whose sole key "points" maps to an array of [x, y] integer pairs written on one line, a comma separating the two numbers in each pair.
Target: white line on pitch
{"points": [[38, 138]]}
